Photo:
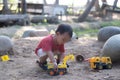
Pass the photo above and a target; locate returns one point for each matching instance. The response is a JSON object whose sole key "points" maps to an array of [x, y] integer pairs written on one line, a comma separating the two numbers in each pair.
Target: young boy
{"points": [[54, 45]]}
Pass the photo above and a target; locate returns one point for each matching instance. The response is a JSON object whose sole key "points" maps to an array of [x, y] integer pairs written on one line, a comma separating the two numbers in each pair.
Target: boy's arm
{"points": [[61, 57], [51, 56], [52, 59]]}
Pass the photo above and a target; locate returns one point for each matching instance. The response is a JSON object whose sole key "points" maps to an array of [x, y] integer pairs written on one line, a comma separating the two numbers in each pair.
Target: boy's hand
{"points": [[55, 65]]}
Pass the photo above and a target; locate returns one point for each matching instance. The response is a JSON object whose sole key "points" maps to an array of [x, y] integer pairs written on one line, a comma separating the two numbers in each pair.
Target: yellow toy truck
{"points": [[96, 62], [100, 63], [62, 67]]}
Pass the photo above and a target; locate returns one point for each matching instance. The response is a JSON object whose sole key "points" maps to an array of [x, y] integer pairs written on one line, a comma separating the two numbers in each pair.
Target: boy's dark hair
{"points": [[62, 28]]}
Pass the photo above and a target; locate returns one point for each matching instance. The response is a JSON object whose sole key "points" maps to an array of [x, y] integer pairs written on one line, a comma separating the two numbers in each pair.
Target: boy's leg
{"points": [[42, 57]]}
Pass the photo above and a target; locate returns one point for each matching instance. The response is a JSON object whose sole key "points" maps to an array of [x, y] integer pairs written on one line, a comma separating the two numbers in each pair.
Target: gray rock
{"points": [[35, 33], [106, 32], [6, 44], [28, 33], [112, 48]]}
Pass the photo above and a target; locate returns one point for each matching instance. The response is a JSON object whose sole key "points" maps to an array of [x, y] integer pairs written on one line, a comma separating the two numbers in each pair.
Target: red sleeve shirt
{"points": [[47, 44]]}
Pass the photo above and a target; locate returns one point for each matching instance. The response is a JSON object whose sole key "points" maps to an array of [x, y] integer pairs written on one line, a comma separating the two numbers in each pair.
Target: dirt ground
{"points": [[22, 65]]}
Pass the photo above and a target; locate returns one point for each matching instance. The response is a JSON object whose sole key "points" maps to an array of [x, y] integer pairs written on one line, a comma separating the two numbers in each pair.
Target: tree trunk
{"points": [[86, 12], [57, 2], [103, 8], [88, 2], [24, 7], [115, 4], [40, 18], [54, 2], [97, 6], [14, 19], [5, 9], [104, 4], [97, 9], [44, 1]]}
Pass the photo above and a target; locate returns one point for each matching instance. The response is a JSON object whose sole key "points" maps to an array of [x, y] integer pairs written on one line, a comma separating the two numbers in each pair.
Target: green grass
{"points": [[111, 23], [87, 32], [93, 32], [18, 30]]}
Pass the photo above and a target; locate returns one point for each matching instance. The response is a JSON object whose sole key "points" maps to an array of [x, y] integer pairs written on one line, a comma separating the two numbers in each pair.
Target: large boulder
{"points": [[112, 48], [6, 45], [106, 32]]}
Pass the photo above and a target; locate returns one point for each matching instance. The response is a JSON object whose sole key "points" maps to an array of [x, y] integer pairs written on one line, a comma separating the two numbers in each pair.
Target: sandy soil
{"points": [[22, 65]]}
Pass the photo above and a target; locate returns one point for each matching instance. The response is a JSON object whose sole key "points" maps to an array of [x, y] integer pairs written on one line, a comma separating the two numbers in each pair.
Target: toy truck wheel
{"points": [[79, 58], [100, 67], [65, 71], [109, 66], [61, 73], [51, 73]]}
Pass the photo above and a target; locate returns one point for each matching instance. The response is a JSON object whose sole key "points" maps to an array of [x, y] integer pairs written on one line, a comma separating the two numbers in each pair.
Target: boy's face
{"points": [[62, 38]]}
